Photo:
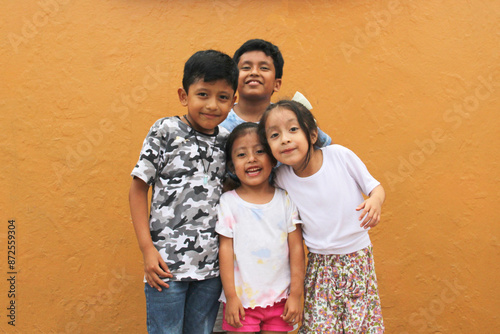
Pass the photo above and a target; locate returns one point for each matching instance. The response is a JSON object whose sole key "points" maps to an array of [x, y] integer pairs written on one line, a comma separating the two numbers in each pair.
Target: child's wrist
{"points": [[230, 295], [148, 248], [295, 293], [379, 200]]}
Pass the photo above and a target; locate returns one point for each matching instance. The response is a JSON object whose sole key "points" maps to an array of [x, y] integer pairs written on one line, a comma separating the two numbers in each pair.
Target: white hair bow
{"points": [[298, 97]]}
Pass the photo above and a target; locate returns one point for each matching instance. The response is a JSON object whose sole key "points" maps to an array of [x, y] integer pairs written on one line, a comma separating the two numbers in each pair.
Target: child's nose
{"points": [[211, 104], [285, 138]]}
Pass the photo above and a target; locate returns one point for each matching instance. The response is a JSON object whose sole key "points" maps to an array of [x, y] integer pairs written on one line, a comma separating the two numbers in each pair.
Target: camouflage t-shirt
{"points": [[184, 197]]}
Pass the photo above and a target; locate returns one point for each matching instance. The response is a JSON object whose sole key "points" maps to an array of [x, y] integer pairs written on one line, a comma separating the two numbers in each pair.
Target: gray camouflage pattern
{"points": [[183, 209]]}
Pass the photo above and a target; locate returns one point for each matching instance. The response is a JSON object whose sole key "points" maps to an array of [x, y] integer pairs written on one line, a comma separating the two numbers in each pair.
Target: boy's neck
{"points": [[251, 111]]}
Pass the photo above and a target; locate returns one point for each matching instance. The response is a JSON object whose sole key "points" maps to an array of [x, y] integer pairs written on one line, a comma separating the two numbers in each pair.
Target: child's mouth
{"points": [[254, 171], [253, 82], [210, 116]]}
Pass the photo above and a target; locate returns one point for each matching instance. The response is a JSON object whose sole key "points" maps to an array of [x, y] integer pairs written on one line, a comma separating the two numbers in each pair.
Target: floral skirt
{"points": [[341, 294]]}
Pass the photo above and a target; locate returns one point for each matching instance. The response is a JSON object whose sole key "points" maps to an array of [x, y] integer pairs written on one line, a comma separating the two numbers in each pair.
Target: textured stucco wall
{"points": [[413, 87]]}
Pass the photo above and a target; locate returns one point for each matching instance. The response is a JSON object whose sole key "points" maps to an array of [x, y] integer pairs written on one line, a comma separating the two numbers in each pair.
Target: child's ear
{"points": [[314, 136], [183, 96], [235, 98], [277, 85]]}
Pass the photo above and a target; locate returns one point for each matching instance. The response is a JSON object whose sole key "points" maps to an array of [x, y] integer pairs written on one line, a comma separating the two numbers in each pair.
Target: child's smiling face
{"points": [[208, 103], [257, 78], [286, 138], [252, 165]]}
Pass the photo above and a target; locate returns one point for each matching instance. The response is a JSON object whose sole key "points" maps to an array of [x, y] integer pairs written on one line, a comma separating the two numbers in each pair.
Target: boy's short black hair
{"points": [[210, 65], [268, 48]]}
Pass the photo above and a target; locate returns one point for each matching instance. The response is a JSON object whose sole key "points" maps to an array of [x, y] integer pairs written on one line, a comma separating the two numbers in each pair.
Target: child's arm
{"points": [[372, 207], [154, 266], [234, 308], [293, 307]]}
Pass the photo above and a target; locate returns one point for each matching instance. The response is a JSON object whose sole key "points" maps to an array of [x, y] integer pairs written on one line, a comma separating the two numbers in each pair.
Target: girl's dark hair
{"points": [[231, 180], [304, 117]]}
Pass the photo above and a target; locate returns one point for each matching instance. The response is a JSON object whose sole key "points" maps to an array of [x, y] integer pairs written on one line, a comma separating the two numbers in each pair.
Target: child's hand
{"points": [[293, 311], [372, 211], [372, 208], [154, 268], [234, 310]]}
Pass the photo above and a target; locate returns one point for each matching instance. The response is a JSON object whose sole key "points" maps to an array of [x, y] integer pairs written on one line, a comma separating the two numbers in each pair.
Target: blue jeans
{"points": [[183, 308]]}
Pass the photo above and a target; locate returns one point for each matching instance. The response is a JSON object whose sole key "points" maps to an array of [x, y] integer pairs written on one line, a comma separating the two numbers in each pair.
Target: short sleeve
{"points": [[225, 219], [292, 214], [359, 172], [149, 160]]}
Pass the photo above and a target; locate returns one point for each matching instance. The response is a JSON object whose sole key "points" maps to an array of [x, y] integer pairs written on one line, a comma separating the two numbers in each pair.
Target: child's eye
{"points": [[224, 97], [265, 68], [245, 68], [203, 94], [240, 155], [294, 129], [273, 135], [261, 151]]}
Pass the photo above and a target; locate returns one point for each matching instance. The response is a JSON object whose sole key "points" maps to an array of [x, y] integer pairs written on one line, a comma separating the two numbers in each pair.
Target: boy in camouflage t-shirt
{"points": [[182, 158]]}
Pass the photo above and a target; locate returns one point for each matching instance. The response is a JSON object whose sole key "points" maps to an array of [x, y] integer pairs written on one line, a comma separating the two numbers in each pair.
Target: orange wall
{"points": [[412, 87]]}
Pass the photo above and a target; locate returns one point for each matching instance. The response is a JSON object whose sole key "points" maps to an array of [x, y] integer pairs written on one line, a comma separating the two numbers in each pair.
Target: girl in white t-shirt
{"points": [[261, 252], [327, 185]]}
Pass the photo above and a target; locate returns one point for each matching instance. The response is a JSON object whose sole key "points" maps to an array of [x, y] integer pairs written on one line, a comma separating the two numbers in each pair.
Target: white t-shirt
{"points": [[260, 243], [328, 199]]}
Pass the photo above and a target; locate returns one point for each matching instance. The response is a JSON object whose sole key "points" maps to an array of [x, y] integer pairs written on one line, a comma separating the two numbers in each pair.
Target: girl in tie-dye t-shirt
{"points": [[261, 252]]}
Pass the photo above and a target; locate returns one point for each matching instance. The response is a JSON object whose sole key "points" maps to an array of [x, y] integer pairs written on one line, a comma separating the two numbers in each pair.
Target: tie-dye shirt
{"points": [[260, 243]]}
